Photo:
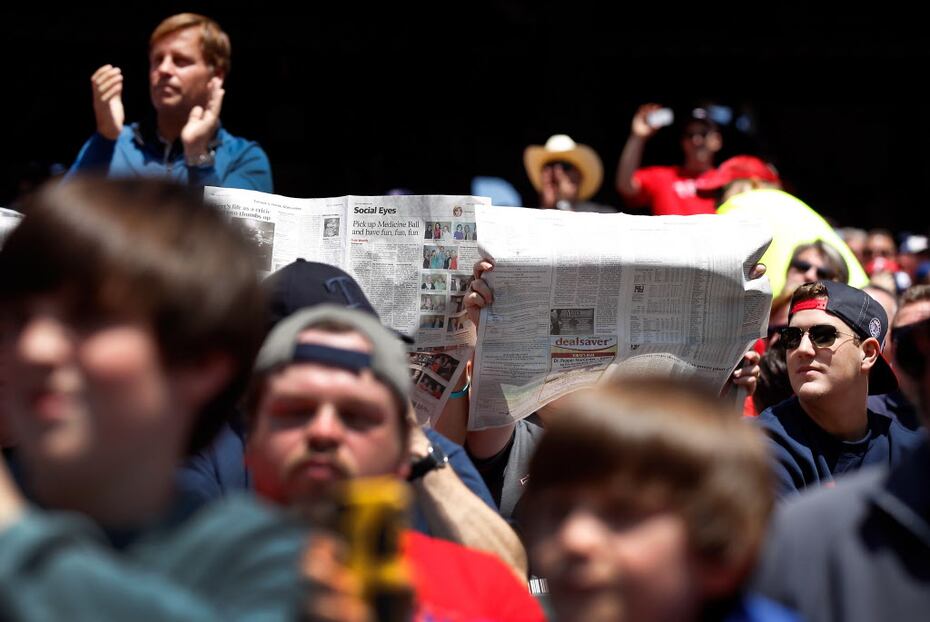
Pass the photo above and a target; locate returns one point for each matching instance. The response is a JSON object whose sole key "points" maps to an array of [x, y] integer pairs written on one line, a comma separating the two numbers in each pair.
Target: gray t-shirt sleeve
{"points": [[527, 435]]}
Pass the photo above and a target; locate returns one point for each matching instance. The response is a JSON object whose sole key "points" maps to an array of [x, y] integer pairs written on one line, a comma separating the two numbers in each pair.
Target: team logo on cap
{"points": [[347, 287], [875, 327]]}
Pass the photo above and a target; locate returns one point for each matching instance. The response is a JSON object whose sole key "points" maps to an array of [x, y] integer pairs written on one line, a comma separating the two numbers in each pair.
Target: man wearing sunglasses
{"points": [[833, 343], [862, 552]]}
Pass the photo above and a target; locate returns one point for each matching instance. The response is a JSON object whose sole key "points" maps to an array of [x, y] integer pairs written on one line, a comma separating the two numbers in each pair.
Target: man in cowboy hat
{"points": [[565, 174]]}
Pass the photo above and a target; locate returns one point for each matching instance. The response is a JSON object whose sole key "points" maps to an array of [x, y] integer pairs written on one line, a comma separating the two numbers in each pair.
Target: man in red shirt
{"points": [[328, 403], [668, 190]]}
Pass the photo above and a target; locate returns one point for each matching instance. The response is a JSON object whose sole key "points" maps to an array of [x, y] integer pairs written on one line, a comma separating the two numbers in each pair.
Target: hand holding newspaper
{"points": [[411, 255], [576, 295], [579, 296]]}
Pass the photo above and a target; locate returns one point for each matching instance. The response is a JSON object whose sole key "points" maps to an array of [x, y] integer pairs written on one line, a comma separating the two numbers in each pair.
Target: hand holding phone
{"points": [[660, 118], [649, 118]]}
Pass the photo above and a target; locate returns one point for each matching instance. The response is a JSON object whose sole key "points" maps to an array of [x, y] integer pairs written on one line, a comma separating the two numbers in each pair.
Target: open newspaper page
{"points": [[578, 295], [285, 228], [412, 256]]}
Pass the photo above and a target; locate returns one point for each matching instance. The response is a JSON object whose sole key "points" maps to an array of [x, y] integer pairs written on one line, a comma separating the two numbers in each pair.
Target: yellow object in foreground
{"points": [[793, 222], [373, 518]]}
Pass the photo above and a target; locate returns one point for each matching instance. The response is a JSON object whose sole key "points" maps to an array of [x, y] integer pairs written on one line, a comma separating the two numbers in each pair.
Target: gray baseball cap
{"points": [[387, 359]]}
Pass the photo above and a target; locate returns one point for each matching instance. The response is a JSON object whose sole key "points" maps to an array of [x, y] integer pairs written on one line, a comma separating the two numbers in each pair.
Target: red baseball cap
{"points": [[737, 167]]}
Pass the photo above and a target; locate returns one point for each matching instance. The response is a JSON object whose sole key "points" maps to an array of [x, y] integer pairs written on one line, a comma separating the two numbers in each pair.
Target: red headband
{"points": [[819, 304]]}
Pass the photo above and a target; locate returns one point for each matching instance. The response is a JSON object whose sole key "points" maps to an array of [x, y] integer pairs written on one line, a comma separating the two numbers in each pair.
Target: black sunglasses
{"points": [[824, 274], [822, 335], [881, 252]]}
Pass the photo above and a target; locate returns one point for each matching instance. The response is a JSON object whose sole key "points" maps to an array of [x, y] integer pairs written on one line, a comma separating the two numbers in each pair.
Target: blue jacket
{"points": [[138, 152], [805, 455], [896, 406], [856, 553], [215, 471]]}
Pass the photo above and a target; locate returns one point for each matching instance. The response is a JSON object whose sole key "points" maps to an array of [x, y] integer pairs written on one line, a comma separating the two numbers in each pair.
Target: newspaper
{"points": [[578, 295], [412, 256]]}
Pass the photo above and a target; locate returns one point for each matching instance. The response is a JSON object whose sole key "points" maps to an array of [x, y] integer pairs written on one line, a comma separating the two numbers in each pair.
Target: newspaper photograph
{"points": [[433, 372], [581, 296], [411, 255]]}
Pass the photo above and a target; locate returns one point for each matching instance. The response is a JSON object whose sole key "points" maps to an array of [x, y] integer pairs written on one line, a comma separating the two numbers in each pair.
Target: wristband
{"points": [[461, 392]]}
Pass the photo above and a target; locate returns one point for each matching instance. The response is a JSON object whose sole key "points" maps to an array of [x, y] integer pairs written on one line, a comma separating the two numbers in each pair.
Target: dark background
{"points": [[352, 99]]}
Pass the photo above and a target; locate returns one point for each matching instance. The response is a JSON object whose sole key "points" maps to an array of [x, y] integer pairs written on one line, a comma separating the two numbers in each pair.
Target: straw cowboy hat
{"points": [[562, 147]]}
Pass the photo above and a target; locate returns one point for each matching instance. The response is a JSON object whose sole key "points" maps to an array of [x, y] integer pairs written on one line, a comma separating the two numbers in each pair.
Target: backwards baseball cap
{"points": [[864, 316], [387, 359], [304, 284], [737, 167]]}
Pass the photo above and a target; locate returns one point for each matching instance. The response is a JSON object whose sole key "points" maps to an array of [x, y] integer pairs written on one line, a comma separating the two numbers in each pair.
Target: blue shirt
{"points": [[215, 471], [138, 152], [463, 467], [219, 470], [896, 406], [756, 608], [804, 454]]}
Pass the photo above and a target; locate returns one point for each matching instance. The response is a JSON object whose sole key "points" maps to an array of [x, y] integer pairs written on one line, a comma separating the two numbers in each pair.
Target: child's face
{"points": [[603, 562], [88, 398]]}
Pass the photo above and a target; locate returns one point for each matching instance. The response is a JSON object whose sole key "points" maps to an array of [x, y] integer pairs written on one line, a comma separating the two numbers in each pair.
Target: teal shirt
{"points": [[236, 559]]}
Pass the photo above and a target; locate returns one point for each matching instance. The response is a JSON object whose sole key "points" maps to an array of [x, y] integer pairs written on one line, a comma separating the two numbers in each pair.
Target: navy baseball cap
{"points": [[304, 284], [865, 317]]}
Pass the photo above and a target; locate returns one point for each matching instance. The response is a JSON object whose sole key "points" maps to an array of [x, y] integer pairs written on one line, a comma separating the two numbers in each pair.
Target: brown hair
{"points": [[915, 293], [832, 258], [214, 43], [145, 250], [664, 447], [809, 291]]}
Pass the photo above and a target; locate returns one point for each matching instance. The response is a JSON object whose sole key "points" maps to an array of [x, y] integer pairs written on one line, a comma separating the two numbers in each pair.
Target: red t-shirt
{"points": [[669, 191], [453, 583]]}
